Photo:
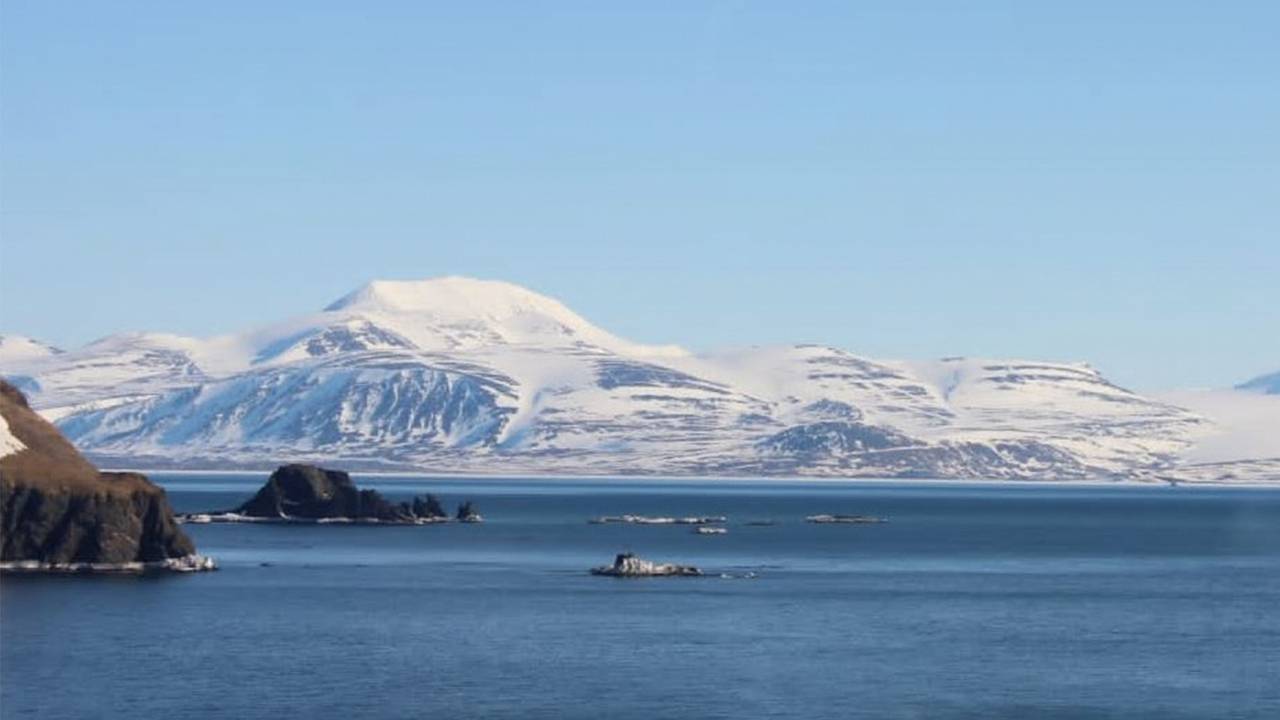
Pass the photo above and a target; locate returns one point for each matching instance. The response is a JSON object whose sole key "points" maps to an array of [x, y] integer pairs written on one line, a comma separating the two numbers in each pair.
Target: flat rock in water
{"points": [[845, 519], [650, 520], [628, 565]]}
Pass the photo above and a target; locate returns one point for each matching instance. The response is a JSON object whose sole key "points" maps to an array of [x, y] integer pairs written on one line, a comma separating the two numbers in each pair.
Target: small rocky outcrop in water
{"points": [[651, 520], [845, 519], [628, 565], [59, 514], [306, 493], [467, 513], [428, 506]]}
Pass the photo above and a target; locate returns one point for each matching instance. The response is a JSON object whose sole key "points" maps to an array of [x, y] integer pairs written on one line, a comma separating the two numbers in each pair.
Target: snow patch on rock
{"points": [[9, 443]]}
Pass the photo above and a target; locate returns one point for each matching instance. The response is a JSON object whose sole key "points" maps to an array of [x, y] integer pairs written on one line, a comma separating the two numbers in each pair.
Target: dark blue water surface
{"points": [[974, 601]]}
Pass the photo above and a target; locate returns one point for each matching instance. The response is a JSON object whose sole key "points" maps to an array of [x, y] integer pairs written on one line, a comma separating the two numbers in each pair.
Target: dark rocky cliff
{"points": [[56, 509]]}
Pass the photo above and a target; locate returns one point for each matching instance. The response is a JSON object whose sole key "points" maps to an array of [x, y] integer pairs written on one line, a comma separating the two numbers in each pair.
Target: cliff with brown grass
{"points": [[58, 511]]}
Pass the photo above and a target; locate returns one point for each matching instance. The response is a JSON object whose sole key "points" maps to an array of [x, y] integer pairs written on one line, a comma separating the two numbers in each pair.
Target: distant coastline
{"points": [[756, 479]]}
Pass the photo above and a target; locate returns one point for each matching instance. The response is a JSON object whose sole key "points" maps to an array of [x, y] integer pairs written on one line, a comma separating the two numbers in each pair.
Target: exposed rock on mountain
{"points": [[57, 512], [834, 438], [470, 376]]}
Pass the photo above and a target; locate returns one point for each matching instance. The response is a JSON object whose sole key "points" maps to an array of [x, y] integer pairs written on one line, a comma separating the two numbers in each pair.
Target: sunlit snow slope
{"points": [[462, 375]]}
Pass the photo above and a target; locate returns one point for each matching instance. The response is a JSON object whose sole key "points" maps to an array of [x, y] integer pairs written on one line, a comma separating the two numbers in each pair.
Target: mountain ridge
{"points": [[461, 375]]}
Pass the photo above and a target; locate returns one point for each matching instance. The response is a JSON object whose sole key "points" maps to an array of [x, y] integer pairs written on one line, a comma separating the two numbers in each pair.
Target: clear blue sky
{"points": [[1074, 180]]}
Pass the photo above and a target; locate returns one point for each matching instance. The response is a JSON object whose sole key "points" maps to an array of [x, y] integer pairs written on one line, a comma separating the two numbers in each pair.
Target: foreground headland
{"points": [[58, 513]]}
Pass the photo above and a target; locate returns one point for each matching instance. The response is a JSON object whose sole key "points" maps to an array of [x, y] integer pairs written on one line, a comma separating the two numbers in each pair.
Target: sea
{"points": [[974, 600]]}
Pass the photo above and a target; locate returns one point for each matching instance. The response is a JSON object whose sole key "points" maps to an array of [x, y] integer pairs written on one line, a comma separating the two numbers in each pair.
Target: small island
{"points": [[628, 565], [651, 520], [467, 513], [845, 519], [299, 493]]}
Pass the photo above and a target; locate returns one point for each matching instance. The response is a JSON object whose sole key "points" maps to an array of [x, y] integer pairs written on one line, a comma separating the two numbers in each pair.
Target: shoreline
{"points": [[178, 565], [231, 517], [606, 479]]}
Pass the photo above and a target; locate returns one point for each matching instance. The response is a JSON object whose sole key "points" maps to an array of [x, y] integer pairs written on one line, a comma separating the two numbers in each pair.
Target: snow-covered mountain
{"points": [[1243, 443], [463, 375], [16, 349]]}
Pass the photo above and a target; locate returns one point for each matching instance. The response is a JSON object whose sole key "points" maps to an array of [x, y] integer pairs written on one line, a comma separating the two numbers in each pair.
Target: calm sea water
{"points": [[974, 601]]}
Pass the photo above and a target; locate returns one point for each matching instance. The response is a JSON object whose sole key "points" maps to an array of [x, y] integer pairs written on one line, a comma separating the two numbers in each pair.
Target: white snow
{"points": [[19, 349], [9, 444], [1246, 425], [183, 564], [457, 312], [481, 376]]}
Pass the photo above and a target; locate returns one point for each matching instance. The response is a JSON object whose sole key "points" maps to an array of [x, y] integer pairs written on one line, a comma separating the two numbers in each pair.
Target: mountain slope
{"points": [[465, 375], [17, 348], [1265, 384], [1243, 444]]}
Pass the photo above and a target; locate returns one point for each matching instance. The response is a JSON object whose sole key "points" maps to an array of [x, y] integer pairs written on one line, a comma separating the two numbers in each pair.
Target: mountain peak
{"points": [[472, 312], [448, 296], [19, 347]]}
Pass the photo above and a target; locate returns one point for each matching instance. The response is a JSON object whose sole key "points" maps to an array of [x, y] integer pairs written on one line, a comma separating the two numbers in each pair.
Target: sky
{"points": [[1084, 181]]}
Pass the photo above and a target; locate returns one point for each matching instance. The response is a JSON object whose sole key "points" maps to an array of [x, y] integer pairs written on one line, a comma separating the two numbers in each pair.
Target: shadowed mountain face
{"points": [[56, 508], [460, 375], [1266, 384]]}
